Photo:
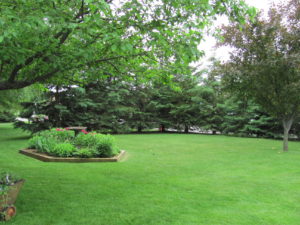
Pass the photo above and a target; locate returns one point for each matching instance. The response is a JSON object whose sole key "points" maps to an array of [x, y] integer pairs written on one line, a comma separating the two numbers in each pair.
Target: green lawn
{"points": [[174, 179]]}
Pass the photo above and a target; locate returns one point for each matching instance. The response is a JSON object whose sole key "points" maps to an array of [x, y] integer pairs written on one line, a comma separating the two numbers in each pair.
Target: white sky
{"points": [[222, 53]]}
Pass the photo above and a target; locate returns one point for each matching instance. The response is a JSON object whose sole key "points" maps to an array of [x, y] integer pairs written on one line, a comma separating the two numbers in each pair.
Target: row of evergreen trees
{"points": [[117, 106]]}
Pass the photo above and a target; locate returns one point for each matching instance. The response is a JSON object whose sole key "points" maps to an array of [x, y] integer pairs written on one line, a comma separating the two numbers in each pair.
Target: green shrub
{"points": [[84, 153], [63, 150], [63, 134], [59, 134], [85, 140], [63, 143], [32, 143], [42, 144], [105, 145]]}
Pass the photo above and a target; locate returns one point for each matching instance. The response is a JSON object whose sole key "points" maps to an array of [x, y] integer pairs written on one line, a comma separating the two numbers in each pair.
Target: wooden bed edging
{"points": [[47, 158]]}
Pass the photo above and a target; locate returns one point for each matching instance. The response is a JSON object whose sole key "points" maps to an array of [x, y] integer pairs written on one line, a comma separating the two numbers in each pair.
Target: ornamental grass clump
{"points": [[63, 143]]}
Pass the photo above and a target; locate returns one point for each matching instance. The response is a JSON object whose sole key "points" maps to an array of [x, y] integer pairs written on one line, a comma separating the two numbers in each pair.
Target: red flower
{"points": [[59, 129], [67, 128], [84, 131]]}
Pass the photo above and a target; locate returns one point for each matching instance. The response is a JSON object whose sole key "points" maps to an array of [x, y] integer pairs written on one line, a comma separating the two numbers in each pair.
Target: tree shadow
{"points": [[19, 138]]}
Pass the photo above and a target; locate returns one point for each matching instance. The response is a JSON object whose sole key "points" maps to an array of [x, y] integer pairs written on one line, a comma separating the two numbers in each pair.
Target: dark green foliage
{"points": [[34, 124], [162, 105], [84, 153], [186, 103], [110, 110], [6, 116], [120, 107], [245, 118], [140, 111], [112, 105], [60, 110]]}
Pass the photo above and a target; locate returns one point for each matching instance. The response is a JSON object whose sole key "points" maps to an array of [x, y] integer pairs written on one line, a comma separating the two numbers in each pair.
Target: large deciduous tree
{"points": [[265, 62], [62, 41]]}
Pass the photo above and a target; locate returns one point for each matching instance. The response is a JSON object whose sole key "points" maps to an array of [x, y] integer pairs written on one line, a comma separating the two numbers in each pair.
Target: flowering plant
{"points": [[84, 131], [63, 142]]}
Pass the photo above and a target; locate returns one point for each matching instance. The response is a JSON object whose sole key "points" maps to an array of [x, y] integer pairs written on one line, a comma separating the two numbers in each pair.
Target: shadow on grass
{"points": [[19, 138]]}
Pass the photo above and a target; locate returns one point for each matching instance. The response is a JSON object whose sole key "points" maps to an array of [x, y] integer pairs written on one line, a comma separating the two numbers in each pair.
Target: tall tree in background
{"points": [[265, 62], [185, 104], [62, 41], [140, 112]]}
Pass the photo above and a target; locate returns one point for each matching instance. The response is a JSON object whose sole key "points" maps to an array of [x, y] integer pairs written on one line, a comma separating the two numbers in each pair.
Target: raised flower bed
{"points": [[62, 145]]}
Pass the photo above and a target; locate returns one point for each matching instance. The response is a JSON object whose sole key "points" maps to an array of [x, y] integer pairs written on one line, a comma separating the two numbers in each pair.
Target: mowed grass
{"points": [[174, 179]]}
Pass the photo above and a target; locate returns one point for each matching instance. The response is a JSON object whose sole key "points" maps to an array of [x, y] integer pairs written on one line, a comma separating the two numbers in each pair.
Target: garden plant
{"points": [[10, 186], [64, 143]]}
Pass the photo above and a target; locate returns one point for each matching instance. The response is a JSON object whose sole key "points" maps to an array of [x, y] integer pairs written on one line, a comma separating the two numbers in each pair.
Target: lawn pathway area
{"points": [[174, 179]]}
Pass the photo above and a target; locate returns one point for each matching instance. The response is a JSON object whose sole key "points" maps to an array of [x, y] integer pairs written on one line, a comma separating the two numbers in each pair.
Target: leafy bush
{"points": [[63, 134], [59, 134], [84, 153], [105, 145], [64, 143], [63, 150], [42, 143], [85, 140], [32, 143]]}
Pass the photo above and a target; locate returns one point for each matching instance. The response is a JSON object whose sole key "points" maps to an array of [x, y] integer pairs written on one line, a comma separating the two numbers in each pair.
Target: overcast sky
{"points": [[222, 53]]}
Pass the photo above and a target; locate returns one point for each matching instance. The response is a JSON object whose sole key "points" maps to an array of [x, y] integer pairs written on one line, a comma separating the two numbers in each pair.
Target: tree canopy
{"points": [[265, 62], [66, 42]]}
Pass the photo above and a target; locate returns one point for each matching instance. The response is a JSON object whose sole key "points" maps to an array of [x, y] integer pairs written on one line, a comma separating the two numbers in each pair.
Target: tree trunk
{"points": [[287, 124], [139, 129], [186, 129], [214, 132], [162, 128]]}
